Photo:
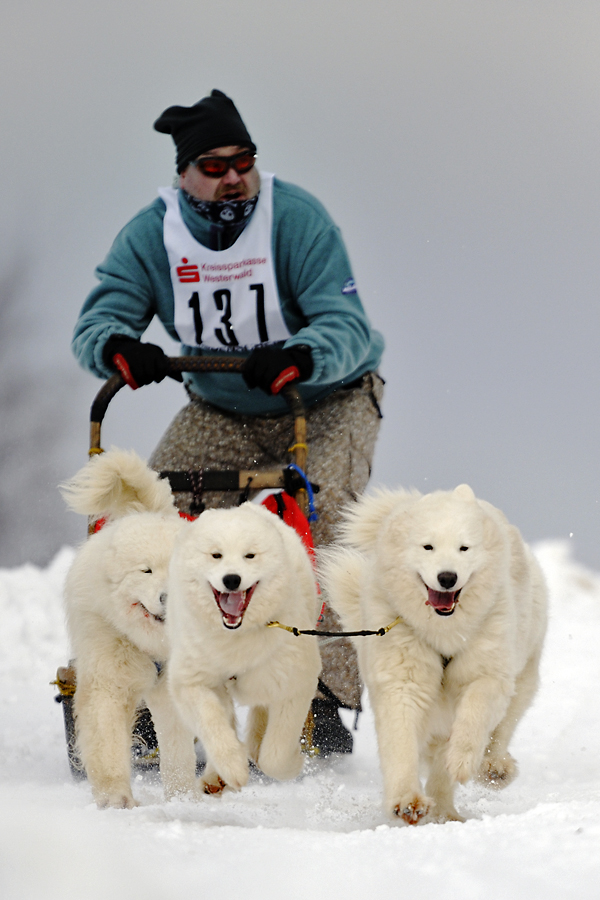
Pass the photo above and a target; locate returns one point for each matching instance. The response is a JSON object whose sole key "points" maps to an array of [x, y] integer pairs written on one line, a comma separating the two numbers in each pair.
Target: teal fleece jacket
{"points": [[320, 306]]}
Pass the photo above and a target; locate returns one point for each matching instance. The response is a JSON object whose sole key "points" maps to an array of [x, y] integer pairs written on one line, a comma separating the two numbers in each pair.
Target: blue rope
{"points": [[312, 515]]}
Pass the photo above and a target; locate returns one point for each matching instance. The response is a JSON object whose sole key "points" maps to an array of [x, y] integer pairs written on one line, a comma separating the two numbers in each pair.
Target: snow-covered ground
{"points": [[322, 836]]}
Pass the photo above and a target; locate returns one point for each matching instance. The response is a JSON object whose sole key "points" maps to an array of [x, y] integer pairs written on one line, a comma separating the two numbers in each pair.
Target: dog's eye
{"points": [[147, 571], [217, 555], [427, 547], [464, 549], [250, 555]]}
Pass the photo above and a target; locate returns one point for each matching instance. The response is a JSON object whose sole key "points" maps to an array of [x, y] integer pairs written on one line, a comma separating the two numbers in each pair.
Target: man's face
{"points": [[232, 186]]}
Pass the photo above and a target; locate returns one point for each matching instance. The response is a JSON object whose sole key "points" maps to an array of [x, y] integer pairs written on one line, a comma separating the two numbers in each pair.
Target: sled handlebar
{"points": [[220, 364]]}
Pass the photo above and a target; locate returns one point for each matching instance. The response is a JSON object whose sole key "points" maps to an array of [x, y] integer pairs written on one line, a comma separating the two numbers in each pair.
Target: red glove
{"points": [[270, 368]]}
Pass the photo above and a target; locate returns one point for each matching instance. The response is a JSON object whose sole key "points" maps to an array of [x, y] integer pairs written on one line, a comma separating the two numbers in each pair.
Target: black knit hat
{"points": [[212, 122]]}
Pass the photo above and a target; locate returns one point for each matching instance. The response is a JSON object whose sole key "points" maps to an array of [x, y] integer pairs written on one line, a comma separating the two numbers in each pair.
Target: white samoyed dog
{"points": [[115, 597], [233, 571], [449, 682]]}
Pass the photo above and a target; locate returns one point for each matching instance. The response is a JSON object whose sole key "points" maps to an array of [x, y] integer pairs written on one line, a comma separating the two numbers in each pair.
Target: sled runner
{"points": [[294, 505]]}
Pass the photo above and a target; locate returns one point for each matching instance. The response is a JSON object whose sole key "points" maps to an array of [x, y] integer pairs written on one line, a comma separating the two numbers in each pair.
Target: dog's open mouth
{"points": [[148, 614], [443, 602], [233, 605]]}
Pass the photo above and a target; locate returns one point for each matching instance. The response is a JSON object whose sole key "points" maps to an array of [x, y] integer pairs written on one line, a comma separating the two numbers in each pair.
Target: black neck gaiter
{"points": [[227, 218]]}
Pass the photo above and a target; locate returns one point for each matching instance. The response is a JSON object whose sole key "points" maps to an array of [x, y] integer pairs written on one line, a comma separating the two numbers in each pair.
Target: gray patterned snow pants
{"points": [[342, 430]]}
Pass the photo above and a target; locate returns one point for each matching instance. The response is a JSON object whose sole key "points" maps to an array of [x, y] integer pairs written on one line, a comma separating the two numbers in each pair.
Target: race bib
{"points": [[225, 299]]}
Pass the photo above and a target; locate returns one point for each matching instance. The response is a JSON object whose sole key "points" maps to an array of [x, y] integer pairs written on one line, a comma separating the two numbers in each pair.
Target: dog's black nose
{"points": [[231, 582], [447, 580]]}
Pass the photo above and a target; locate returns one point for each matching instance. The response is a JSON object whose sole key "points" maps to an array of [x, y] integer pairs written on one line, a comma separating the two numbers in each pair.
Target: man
{"points": [[233, 260]]}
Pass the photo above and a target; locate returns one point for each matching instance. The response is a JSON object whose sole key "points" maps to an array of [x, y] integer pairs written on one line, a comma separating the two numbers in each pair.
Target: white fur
{"points": [[117, 483], [459, 719], [268, 669], [114, 592]]}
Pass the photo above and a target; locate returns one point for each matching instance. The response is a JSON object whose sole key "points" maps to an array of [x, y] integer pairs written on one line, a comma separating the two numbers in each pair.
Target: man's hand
{"points": [[137, 363], [270, 368]]}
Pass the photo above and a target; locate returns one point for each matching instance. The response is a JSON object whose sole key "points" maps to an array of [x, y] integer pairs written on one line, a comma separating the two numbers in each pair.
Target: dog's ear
{"points": [[464, 492]]}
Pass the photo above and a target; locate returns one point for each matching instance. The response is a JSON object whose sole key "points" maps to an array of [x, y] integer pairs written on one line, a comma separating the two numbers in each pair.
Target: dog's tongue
{"points": [[233, 603], [443, 600]]}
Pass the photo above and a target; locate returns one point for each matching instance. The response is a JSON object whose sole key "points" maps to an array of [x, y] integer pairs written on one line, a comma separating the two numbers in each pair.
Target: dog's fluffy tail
{"points": [[117, 483], [362, 520], [339, 573]]}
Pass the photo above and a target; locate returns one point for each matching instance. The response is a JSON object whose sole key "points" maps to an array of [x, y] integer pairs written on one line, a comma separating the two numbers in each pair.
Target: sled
{"points": [[291, 479]]}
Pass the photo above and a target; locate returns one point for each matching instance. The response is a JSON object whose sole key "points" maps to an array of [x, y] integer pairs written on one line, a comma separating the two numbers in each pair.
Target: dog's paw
{"points": [[212, 784], [412, 810], [231, 768], [116, 800], [498, 772], [442, 816]]}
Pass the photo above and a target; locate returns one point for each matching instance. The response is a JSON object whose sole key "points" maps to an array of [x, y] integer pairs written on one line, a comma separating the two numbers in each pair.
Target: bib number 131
{"points": [[224, 332]]}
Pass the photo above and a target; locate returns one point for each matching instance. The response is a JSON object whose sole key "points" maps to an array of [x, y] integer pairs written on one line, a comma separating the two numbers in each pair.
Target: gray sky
{"points": [[454, 142]]}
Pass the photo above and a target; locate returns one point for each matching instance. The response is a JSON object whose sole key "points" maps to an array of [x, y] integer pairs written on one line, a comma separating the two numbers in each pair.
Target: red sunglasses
{"points": [[217, 166]]}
